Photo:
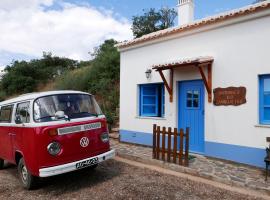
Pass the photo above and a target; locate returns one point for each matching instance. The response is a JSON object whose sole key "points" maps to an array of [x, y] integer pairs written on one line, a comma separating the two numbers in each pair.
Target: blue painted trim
{"points": [[262, 105], [140, 138], [246, 155], [162, 101], [158, 92], [153, 87], [136, 137]]}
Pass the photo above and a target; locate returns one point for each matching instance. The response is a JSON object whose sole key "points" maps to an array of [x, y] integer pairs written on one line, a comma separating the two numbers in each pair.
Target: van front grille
{"points": [[80, 128]]}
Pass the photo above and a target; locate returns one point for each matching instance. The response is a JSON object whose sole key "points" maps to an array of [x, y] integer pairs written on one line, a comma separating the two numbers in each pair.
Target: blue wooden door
{"points": [[191, 112]]}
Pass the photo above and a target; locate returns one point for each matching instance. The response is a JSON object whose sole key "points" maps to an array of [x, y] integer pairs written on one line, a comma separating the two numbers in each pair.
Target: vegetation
{"points": [[99, 76], [24, 77], [152, 21]]}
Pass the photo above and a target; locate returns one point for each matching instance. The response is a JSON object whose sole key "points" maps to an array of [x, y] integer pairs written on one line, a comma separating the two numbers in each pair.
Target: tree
{"points": [[167, 17], [23, 77], [101, 78], [152, 21]]}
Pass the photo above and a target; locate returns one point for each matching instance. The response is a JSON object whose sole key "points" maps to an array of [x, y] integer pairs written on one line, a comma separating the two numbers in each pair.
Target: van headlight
{"points": [[54, 148], [104, 137]]}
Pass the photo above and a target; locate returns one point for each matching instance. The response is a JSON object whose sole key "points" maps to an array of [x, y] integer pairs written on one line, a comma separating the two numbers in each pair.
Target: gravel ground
{"points": [[111, 180]]}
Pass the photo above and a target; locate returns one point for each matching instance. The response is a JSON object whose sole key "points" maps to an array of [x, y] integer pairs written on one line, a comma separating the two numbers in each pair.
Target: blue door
{"points": [[191, 112]]}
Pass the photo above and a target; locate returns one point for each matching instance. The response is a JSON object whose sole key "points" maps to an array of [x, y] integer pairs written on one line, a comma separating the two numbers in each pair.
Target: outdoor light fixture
{"points": [[148, 73]]}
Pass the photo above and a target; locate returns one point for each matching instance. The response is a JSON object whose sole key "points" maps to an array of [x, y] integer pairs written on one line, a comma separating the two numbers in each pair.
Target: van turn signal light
{"points": [[52, 132]]}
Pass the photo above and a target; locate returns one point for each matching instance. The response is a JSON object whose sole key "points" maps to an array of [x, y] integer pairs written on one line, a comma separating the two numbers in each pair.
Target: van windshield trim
{"points": [[51, 118]]}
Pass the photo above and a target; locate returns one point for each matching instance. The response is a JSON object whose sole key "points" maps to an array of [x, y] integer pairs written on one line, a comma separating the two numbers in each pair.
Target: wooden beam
{"points": [[168, 87], [209, 71], [207, 81], [171, 85]]}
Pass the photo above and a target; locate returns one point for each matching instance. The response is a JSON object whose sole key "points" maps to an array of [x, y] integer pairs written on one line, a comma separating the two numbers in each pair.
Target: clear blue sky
{"points": [[129, 8]]}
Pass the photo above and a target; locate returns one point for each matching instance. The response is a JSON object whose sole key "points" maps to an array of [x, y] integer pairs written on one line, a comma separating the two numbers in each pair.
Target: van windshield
{"points": [[71, 106]]}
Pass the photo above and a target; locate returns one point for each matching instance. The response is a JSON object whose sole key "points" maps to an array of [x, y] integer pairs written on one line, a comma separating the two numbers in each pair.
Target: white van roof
{"points": [[35, 95]]}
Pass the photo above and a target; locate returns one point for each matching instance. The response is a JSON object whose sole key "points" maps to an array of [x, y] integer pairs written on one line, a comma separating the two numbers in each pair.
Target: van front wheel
{"points": [[28, 181], [1, 163]]}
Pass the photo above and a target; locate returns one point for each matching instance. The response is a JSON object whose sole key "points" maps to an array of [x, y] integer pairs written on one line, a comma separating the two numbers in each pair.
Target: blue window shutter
{"points": [[261, 99], [264, 95], [149, 100], [162, 101], [152, 100]]}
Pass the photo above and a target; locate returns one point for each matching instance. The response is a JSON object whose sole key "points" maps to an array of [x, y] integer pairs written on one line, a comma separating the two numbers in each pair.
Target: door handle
{"points": [[12, 134]]}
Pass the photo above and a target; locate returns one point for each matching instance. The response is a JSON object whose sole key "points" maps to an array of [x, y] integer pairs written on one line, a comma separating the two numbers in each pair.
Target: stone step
{"points": [[115, 129], [114, 135]]}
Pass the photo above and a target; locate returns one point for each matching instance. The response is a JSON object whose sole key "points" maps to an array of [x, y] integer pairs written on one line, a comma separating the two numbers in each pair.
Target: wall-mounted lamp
{"points": [[148, 73]]}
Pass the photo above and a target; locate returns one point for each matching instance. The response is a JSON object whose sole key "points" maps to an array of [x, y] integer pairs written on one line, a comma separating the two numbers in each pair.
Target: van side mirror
{"points": [[18, 119]]}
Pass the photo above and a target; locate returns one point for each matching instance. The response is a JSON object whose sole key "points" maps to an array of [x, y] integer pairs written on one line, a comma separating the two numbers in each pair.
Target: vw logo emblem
{"points": [[84, 142]]}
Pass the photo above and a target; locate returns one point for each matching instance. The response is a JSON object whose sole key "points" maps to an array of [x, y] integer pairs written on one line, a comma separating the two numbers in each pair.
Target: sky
{"points": [[73, 28]]}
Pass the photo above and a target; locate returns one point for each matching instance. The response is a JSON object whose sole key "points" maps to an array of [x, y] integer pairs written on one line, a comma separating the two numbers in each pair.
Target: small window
{"points": [[6, 113], [192, 99], [264, 90], [23, 112], [152, 100]]}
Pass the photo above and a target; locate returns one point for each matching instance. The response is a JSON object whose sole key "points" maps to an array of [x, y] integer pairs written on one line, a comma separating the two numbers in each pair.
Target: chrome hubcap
{"points": [[24, 173]]}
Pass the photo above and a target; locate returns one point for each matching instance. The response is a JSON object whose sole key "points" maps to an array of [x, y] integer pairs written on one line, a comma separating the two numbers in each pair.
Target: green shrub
{"points": [[73, 80], [100, 79], [3, 95]]}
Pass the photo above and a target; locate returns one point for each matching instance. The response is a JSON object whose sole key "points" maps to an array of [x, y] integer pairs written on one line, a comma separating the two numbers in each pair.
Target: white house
{"points": [[185, 65]]}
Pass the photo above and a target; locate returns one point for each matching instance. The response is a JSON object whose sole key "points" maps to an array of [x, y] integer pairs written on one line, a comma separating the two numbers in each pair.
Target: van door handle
{"points": [[12, 134]]}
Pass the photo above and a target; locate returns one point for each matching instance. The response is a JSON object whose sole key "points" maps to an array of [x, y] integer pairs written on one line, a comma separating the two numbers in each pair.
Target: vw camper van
{"points": [[51, 133]]}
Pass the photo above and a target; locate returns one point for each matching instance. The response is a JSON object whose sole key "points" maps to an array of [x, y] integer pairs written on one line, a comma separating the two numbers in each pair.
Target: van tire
{"points": [[1, 163], [28, 181]]}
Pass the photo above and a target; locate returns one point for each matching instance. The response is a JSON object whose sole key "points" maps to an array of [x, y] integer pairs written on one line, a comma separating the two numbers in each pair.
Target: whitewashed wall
{"points": [[241, 52]]}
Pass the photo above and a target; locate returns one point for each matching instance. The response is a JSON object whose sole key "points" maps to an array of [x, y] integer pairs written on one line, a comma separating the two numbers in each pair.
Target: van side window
{"points": [[6, 113], [23, 112]]}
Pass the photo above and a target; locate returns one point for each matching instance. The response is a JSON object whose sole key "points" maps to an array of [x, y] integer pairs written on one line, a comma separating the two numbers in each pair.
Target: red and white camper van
{"points": [[51, 133]]}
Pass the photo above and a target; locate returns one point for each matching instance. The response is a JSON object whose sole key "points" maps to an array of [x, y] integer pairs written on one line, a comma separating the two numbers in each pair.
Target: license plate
{"points": [[87, 163]]}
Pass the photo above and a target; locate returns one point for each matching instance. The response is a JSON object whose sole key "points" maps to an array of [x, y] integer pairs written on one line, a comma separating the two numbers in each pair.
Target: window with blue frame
{"points": [[152, 100], [264, 81]]}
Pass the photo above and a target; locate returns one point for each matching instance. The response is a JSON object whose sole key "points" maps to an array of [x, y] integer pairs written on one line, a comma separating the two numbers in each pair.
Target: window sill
{"points": [[262, 125], [153, 118]]}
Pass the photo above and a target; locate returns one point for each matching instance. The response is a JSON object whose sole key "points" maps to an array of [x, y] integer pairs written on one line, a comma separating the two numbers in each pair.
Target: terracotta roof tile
{"points": [[186, 61], [203, 22]]}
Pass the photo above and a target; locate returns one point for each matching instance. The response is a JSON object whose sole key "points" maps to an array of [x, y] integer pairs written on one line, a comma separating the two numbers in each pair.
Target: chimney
{"points": [[185, 12]]}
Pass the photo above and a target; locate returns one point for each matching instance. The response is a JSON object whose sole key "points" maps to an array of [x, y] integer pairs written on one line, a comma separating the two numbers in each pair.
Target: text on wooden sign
{"points": [[230, 96]]}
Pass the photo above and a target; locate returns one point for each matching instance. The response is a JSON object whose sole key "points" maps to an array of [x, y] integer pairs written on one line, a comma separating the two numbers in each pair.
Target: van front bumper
{"points": [[61, 169]]}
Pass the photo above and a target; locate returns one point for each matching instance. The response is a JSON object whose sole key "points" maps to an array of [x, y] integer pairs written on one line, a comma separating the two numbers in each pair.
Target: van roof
{"points": [[34, 95]]}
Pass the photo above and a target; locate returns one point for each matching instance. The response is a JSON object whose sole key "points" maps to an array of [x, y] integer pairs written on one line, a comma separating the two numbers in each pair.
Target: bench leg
{"points": [[266, 173]]}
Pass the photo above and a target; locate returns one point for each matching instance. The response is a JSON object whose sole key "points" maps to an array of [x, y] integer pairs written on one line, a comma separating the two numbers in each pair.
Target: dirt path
{"points": [[113, 180]]}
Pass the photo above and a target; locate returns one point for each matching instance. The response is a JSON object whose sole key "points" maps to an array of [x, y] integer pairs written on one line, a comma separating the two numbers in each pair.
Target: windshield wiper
{"points": [[48, 116], [54, 118]]}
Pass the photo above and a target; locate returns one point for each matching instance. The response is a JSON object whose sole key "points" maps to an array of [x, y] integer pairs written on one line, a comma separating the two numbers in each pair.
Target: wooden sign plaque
{"points": [[234, 96]]}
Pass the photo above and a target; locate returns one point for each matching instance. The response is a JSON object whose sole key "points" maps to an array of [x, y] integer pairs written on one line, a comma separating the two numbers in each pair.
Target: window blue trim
{"points": [[156, 92], [262, 105], [145, 105], [162, 101]]}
